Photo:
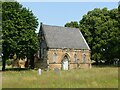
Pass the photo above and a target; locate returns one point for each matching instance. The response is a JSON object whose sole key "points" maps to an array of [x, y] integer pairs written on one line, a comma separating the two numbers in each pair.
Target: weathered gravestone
{"points": [[57, 71]]}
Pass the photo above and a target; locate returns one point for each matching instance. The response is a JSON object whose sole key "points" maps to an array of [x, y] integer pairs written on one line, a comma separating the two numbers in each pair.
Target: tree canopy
{"points": [[100, 29], [0, 28], [72, 24], [18, 27]]}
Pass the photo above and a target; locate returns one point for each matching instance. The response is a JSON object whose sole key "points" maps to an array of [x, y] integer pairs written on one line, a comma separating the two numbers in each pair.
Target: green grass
{"points": [[106, 77]]}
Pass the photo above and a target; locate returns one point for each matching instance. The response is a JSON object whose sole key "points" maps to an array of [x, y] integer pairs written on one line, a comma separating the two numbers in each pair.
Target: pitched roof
{"points": [[64, 37]]}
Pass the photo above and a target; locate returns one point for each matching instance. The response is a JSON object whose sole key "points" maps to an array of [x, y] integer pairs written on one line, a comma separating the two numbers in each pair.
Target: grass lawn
{"points": [[106, 77]]}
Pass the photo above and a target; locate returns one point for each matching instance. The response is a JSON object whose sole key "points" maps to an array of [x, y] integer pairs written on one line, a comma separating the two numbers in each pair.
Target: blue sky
{"points": [[59, 13]]}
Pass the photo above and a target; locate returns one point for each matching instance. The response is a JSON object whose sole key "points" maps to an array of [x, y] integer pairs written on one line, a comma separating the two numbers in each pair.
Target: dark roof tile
{"points": [[64, 37]]}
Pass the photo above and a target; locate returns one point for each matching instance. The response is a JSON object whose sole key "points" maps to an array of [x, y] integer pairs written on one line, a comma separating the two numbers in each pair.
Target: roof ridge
{"points": [[59, 26]]}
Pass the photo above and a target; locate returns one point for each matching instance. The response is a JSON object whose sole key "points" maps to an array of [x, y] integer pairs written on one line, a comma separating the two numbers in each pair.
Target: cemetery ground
{"points": [[96, 77]]}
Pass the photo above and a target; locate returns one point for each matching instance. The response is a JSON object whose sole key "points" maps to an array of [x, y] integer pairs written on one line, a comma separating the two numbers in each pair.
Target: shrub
{"points": [[9, 62]]}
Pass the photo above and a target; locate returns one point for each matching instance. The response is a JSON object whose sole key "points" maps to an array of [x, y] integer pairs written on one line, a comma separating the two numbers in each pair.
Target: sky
{"points": [[59, 13]]}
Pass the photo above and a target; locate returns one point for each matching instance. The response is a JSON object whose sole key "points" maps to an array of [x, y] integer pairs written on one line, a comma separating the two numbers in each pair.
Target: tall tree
{"points": [[19, 26], [119, 30], [0, 28], [100, 28], [114, 36]]}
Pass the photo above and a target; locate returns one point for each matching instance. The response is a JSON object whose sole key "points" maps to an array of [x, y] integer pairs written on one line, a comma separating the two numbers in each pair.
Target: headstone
{"points": [[39, 71], [90, 65], [57, 71]]}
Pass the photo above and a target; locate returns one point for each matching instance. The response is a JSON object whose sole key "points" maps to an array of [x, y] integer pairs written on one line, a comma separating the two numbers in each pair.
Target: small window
{"points": [[84, 58], [42, 53], [54, 57], [38, 54], [75, 58]]}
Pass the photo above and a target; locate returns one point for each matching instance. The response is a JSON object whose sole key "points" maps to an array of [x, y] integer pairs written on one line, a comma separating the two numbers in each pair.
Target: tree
{"points": [[114, 36], [100, 29], [0, 27], [72, 24], [19, 26]]}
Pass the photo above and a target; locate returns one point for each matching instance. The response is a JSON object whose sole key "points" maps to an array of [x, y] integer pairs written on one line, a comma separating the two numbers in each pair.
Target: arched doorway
{"points": [[65, 62]]}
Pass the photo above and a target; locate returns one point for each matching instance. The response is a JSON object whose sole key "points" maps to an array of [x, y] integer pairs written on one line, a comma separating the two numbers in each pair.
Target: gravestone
{"points": [[57, 71], [39, 71]]}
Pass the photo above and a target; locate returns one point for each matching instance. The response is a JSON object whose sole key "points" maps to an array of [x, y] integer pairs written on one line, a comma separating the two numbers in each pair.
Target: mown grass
{"points": [[80, 78]]}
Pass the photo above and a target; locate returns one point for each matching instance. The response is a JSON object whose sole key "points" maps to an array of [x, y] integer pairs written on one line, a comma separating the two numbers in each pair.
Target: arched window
{"points": [[75, 58], [84, 58], [54, 57], [65, 58]]}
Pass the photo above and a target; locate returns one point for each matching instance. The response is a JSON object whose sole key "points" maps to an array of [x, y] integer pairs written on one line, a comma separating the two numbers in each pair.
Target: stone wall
{"points": [[60, 53]]}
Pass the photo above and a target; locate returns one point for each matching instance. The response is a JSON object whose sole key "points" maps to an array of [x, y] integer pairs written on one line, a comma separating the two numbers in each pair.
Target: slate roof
{"points": [[64, 37]]}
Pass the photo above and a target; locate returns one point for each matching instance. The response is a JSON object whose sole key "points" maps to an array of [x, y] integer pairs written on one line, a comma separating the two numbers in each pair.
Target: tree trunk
{"points": [[3, 63], [32, 62], [96, 62]]}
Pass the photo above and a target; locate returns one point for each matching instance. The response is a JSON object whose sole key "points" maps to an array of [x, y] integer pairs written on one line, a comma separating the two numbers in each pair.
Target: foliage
{"points": [[0, 27], [9, 62], [19, 26], [100, 29], [72, 24]]}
